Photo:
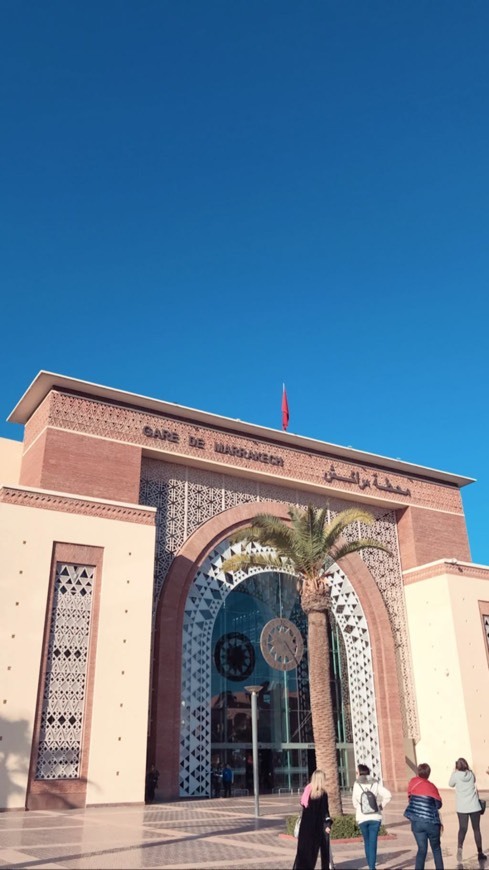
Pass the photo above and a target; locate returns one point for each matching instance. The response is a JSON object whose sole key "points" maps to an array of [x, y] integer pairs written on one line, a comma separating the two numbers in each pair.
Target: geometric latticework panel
{"points": [[206, 595], [187, 497], [485, 620], [63, 700], [386, 569], [351, 619], [163, 486]]}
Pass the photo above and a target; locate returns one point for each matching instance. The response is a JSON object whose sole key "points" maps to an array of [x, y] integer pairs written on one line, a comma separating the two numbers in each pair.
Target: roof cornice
{"points": [[45, 381]]}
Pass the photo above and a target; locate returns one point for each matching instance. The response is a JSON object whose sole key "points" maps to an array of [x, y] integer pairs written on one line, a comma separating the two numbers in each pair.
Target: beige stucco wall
{"points": [[120, 705], [451, 672], [10, 460]]}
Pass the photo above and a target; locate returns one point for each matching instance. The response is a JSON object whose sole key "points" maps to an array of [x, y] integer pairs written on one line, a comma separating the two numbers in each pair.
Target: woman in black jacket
{"points": [[315, 825]]}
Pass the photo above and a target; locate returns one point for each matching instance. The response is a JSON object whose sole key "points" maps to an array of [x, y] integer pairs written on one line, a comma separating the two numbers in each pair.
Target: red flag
{"points": [[285, 409]]}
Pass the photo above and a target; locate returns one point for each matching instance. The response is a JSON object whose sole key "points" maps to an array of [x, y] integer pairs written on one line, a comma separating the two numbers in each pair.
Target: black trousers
{"points": [[306, 859], [463, 824]]}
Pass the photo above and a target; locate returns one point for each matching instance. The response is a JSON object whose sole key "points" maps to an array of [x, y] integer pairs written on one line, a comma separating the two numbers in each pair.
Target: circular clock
{"points": [[281, 644], [234, 656]]}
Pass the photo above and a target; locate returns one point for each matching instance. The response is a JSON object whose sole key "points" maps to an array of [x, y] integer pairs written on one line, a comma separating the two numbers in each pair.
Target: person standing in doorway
{"points": [[227, 779], [152, 778], [249, 773], [368, 812], [468, 806], [216, 779], [423, 813]]}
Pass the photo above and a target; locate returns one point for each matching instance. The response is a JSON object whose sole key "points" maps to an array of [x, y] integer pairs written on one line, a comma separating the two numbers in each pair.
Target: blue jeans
{"points": [[370, 834], [424, 831]]}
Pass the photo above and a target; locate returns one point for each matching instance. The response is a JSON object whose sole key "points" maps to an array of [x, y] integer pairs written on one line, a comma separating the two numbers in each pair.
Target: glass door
{"points": [[285, 740]]}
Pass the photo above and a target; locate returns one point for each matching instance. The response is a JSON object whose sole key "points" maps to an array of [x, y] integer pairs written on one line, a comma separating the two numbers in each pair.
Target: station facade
{"points": [[124, 642]]}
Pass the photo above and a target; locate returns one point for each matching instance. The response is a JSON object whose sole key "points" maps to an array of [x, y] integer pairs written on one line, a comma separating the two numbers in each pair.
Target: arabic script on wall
{"points": [[365, 482]]}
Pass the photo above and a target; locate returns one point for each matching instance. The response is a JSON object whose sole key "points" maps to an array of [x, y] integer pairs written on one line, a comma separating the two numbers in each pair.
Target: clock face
{"points": [[234, 656], [281, 644]]}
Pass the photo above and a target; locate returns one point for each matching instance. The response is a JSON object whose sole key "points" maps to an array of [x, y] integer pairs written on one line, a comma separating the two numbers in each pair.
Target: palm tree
{"points": [[307, 547]]}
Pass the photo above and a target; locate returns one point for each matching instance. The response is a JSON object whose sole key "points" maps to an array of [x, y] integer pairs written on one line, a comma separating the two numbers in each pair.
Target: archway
{"points": [[206, 596], [165, 734]]}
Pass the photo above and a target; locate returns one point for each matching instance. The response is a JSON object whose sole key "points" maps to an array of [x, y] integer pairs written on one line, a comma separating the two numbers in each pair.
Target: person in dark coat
{"points": [[152, 778], [315, 825], [216, 780]]}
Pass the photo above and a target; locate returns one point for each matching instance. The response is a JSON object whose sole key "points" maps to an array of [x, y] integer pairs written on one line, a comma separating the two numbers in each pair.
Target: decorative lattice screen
{"points": [[187, 497], [485, 620], [66, 673]]}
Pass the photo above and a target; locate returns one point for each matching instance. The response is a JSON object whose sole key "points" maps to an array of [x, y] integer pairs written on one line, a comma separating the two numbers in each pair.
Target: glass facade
{"points": [[285, 740]]}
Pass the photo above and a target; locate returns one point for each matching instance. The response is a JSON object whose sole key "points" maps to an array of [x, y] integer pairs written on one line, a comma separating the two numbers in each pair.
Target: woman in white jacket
{"points": [[369, 823], [468, 805]]}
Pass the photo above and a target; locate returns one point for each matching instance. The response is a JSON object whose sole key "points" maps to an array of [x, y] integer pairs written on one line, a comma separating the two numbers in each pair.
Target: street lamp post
{"points": [[254, 691]]}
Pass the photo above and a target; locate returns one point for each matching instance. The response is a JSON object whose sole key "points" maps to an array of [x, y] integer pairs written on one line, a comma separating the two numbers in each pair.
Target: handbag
{"points": [[297, 825], [483, 805]]}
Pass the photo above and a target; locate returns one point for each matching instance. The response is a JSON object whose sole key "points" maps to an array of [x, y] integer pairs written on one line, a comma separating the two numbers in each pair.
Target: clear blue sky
{"points": [[201, 200]]}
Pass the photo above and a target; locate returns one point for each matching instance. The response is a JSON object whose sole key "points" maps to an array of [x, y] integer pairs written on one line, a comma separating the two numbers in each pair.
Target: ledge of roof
{"points": [[451, 562], [71, 496], [45, 381]]}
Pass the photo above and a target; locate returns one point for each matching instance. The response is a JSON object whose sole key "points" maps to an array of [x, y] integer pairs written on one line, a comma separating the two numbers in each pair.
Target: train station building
{"points": [[124, 643]]}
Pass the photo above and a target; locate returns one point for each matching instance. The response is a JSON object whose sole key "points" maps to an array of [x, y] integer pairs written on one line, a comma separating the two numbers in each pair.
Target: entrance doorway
{"points": [[285, 738], [222, 622]]}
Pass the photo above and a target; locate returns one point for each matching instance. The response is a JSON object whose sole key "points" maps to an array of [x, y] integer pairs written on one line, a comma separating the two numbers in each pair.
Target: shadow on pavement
{"points": [[139, 847]]}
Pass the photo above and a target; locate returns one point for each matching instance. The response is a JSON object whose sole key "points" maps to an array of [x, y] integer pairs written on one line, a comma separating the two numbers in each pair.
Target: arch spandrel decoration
{"points": [[206, 595], [187, 497]]}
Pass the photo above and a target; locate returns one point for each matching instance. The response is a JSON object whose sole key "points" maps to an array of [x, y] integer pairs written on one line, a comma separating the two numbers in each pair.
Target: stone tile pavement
{"points": [[186, 835]]}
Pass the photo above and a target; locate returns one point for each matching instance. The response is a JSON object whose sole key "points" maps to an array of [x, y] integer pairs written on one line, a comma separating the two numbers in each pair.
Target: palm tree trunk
{"points": [[323, 725]]}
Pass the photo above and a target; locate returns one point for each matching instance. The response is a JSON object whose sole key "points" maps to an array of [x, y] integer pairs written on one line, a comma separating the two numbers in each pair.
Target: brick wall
{"points": [[426, 535], [32, 463], [69, 462]]}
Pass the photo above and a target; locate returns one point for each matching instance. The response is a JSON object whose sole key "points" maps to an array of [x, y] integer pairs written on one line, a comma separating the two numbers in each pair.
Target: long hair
{"points": [[462, 764], [318, 784]]}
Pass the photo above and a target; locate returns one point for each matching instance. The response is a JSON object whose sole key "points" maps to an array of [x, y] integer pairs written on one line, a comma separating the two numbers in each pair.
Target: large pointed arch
{"points": [[167, 717], [206, 596]]}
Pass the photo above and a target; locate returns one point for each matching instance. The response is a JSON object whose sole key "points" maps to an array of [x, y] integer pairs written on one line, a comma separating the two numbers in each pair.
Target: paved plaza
{"points": [[219, 833]]}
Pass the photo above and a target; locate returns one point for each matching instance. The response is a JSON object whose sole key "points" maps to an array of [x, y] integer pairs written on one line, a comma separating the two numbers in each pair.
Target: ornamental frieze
{"points": [[79, 506], [180, 438]]}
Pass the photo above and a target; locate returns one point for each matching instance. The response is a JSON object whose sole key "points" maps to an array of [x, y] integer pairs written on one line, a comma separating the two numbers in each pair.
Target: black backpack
{"points": [[368, 802]]}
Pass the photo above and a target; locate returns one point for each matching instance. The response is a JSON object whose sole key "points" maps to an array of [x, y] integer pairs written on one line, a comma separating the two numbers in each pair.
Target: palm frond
{"points": [[337, 526], [241, 535], [269, 531], [307, 545], [321, 517], [296, 514], [355, 546], [244, 561], [259, 525]]}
